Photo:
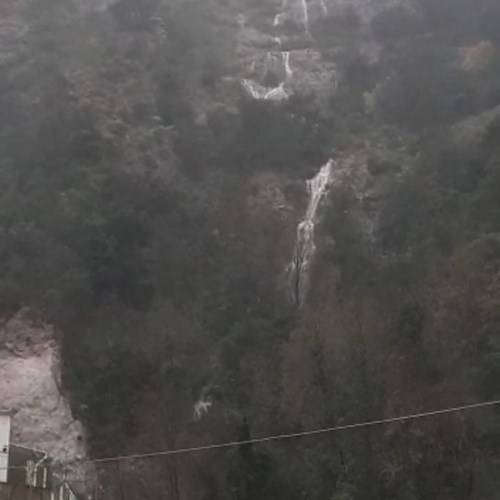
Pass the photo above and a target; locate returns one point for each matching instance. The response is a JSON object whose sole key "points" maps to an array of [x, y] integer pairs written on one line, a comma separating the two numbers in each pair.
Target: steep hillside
{"points": [[247, 217]]}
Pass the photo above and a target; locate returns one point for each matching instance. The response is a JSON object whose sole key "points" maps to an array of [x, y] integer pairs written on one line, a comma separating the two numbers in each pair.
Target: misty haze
{"points": [[250, 249]]}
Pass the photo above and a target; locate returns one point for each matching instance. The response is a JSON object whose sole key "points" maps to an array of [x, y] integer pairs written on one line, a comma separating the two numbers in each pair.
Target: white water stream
{"points": [[286, 63], [277, 61], [299, 268], [305, 246], [305, 14], [201, 409], [290, 9], [260, 92], [203, 405]]}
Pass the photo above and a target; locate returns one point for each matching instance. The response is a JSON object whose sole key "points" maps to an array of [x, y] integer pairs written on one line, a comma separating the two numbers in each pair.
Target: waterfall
{"points": [[278, 62], [200, 409], [305, 247], [305, 16], [277, 94], [286, 64], [260, 92], [202, 406], [277, 19]]}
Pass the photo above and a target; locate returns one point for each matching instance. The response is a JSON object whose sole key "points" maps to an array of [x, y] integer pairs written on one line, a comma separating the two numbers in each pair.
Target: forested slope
{"points": [[148, 210]]}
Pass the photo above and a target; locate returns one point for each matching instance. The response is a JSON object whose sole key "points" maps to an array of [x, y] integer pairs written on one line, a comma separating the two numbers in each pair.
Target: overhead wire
{"points": [[293, 435]]}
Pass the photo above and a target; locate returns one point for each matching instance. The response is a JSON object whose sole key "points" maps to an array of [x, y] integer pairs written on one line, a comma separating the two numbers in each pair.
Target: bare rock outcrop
{"points": [[30, 387]]}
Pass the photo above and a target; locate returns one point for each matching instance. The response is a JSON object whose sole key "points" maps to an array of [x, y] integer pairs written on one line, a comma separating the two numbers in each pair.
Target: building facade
{"points": [[5, 418], [26, 473]]}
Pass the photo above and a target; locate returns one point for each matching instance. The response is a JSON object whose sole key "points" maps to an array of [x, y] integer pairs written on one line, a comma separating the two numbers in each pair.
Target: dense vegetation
{"points": [[125, 222]]}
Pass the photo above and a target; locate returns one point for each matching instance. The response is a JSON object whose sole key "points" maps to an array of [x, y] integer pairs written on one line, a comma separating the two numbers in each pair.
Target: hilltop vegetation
{"points": [[130, 219]]}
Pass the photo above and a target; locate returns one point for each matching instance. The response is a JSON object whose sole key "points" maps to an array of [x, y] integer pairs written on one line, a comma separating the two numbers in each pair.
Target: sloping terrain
{"points": [[247, 217]]}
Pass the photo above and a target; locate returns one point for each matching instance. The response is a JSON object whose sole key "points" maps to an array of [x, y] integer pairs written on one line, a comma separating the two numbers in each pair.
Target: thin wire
{"points": [[279, 437]]}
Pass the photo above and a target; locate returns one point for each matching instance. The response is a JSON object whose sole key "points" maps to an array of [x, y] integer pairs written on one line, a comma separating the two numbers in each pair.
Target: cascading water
{"points": [[305, 14], [305, 247], [277, 62], [260, 92], [286, 64], [277, 19], [202, 406], [278, 93]]}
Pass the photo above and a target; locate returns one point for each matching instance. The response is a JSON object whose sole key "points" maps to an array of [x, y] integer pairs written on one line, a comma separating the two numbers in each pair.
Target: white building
{"points": [[5, 418], [26, 473]]}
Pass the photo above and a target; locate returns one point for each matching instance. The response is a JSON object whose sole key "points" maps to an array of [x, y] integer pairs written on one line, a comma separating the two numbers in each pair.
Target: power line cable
{"points": [[280, 437]]}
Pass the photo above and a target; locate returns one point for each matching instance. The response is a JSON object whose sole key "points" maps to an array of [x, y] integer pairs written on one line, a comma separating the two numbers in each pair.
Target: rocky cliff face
{"points": [[30, 385]]}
